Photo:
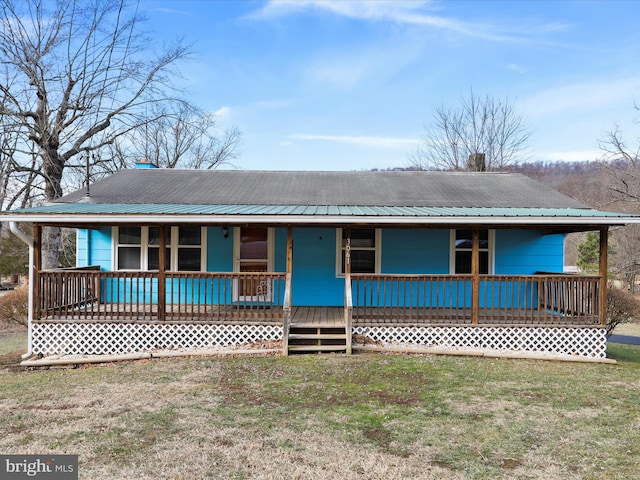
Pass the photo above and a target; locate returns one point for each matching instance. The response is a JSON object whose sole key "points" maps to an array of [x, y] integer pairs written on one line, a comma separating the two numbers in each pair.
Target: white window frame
{"points": [[340, 250], [266, 296], [270, 249], [491, 237], [144, 249]]}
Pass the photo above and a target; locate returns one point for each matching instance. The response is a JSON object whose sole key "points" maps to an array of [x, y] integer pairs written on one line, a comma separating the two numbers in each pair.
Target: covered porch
{"points": [[97, 311]]}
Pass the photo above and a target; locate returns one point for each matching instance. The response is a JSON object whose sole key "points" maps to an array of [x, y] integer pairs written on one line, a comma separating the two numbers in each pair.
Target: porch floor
{"points": [[318, 316]]}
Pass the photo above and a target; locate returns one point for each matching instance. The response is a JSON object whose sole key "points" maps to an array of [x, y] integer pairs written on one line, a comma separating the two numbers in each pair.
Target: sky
{"points": [[341, 85]]}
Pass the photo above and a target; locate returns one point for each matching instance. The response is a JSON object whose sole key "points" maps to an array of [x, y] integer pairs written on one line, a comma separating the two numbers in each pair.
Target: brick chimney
{"points": [[476, 162]]}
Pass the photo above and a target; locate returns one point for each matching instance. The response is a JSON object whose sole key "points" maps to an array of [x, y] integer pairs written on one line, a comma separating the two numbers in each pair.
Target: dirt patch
{"points": [[11, 361]]}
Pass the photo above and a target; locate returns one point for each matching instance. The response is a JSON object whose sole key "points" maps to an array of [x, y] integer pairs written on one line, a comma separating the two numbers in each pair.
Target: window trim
{"points": [[270, 248], [377, 249], [491, 237], [144, 249]]}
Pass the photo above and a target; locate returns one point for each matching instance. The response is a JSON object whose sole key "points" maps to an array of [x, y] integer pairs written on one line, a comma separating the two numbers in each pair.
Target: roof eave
{"points": [[115, 219]]}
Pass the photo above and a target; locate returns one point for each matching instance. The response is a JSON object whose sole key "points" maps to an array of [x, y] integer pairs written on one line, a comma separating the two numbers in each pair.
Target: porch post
{"points": [[289, 249], [475, 274], [347, 253], [604, 249], [162, 269], [37, 266]]}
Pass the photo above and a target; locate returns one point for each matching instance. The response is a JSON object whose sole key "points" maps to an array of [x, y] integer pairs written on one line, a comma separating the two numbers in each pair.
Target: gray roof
{"points": [[317, 188]]}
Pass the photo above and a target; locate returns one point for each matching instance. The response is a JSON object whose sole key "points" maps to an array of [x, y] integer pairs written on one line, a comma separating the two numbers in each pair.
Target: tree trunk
{"points": [[50, 247], [52, 166]]}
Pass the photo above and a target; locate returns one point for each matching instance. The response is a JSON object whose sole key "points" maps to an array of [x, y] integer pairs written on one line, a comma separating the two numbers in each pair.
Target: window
{"points": [[189, 249], [365, 250], [461, 247], [129, 248], [138, 248]]}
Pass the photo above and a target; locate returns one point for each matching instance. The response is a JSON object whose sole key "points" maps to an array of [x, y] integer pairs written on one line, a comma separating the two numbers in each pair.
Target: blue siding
{"points": [[280, 253], [525, 252], [82, 247], [94, 248], [219, 250], [415, 251]]}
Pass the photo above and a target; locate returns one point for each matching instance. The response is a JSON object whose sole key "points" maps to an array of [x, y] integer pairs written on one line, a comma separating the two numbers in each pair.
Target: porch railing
{"points": [[89, 294], [446, 300], [133, 296]]}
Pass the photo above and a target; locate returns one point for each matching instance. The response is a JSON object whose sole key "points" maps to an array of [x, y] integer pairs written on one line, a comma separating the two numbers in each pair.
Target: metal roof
{"points": [[92, 213], [281, 197]]}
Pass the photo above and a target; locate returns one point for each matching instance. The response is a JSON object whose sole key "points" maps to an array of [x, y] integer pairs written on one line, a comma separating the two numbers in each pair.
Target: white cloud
{"points": [[581, 96], [376, 142], [412, 12], [222, 112]]}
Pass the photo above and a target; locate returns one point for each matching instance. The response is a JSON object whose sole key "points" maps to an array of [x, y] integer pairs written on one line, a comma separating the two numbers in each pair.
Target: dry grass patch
{"points": [[324, 417]]}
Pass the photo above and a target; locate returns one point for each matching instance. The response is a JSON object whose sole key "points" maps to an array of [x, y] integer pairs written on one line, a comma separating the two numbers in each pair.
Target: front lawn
{"points": [[368, 416]]}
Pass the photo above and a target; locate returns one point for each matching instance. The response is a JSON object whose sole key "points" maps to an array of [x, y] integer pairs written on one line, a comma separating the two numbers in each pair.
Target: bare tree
{"points": [[81, 74], [181, 136], [479, 125], [623, 165]]}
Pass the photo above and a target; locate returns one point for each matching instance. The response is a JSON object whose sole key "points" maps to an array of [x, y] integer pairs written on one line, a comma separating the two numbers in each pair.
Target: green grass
{"points": [[13, 342], [332, 416]]}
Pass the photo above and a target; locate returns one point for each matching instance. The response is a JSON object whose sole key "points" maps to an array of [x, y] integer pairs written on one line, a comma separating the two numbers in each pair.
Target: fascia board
{"points": [[114, 219]]}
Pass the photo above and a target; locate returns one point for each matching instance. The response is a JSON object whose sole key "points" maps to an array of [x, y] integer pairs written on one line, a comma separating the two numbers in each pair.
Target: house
{"points": [[170, 259]]}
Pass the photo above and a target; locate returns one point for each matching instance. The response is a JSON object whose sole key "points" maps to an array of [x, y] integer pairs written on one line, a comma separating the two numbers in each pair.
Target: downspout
{"points": [[13, 226]]}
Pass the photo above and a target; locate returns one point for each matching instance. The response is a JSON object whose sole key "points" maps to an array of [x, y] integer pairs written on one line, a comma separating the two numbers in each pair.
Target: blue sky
{"points": [[317, 85]]}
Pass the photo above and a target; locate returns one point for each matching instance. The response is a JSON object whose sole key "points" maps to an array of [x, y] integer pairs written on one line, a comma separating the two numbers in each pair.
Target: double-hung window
{"points": [[138, 248], [461, 250], [364, 248], [129, 248]]}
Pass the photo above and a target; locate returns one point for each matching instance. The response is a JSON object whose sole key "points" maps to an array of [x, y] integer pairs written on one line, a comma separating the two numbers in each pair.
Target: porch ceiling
{"points": [[120, 213]]}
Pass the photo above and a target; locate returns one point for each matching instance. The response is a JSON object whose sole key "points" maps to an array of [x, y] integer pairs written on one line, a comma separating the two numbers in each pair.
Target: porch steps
{"points": [[316, 339]]}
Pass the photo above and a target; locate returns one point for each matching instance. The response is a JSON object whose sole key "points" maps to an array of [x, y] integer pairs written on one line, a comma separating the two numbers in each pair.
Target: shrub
{"points": [[622, 307], [14, 306]]}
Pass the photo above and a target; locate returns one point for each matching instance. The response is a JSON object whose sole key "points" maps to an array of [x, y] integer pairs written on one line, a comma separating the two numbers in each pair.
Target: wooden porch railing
{"points": [[132, 296], [348, 310], [549, 300], [89, 294], [286, 310]]}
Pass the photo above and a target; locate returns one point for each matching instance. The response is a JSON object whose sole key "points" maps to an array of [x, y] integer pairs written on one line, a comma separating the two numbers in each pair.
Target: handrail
{"points": [[348, 311], [286, 311]]}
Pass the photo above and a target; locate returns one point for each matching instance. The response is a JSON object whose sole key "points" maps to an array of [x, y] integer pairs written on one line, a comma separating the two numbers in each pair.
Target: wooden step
{"points": [[307, 338], [317, 336], [315, 326], [317, 348]]}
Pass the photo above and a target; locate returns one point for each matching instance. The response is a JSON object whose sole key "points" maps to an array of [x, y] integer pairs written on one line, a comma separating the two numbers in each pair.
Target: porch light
{"points": [[225, 232]]}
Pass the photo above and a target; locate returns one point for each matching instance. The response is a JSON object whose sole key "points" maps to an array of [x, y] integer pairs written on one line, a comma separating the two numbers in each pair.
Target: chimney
{"points": [[145, 163], [476, 162]]}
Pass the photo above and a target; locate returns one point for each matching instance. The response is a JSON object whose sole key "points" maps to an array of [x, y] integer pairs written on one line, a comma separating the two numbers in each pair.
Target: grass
{"points": [[332, 416], [11, 342]]}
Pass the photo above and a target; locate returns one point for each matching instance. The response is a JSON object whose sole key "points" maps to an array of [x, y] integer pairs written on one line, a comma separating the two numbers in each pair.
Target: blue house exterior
{"points": [[315, 278], [171, 259]]}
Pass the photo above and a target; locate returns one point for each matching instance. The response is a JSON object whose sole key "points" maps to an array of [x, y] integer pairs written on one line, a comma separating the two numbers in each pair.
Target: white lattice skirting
{"points": [[586, 342], [117, 339]]}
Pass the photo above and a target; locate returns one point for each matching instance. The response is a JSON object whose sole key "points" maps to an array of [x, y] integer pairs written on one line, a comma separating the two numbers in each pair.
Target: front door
{"points": [[253, 252]]}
